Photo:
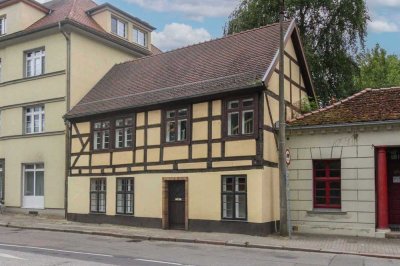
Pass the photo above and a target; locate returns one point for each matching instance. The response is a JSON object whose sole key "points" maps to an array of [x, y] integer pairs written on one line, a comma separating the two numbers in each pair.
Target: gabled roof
{"points": [[369, 105], [72, 12], [223, 65]]}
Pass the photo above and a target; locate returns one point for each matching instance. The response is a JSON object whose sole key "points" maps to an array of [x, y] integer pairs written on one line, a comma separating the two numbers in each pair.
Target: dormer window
{"points": [[2, 25], [118, 27], [139, 37]]}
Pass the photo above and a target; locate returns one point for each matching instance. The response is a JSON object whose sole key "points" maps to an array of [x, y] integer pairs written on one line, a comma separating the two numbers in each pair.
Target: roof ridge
{"points": [[69, 16], [333, 105], [205, 42]]}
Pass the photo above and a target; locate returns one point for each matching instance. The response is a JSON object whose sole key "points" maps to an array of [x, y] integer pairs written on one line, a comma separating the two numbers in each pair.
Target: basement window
{"points": [[327, 184]]}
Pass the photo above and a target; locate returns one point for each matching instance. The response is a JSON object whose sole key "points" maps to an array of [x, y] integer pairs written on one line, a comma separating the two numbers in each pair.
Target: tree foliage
{"points": [[378, 69], [332, 31]]}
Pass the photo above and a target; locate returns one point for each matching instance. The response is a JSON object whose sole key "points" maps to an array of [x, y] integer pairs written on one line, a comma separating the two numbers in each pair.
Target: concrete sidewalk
{"points": [[372, 247]]}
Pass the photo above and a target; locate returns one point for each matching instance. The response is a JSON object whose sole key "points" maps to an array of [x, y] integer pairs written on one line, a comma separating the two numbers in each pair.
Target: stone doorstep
{"points": [[393, 235]]}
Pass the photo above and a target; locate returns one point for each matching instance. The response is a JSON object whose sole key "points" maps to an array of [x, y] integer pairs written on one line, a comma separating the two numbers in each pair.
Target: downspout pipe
{"points": [[67, 36]]}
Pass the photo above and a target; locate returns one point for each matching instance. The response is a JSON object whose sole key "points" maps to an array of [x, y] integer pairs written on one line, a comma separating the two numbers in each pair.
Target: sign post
{"points": [[289, 220]]}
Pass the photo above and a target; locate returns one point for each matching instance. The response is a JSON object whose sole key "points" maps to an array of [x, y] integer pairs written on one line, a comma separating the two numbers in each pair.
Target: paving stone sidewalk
{"points": [[384, 248]]}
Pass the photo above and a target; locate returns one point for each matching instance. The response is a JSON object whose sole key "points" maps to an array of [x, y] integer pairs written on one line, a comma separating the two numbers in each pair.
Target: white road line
{"points": [[56, 250], [8, 256], [161, 262]]}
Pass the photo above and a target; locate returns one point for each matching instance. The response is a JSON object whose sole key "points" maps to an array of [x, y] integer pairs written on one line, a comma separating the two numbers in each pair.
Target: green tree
{"points": [[332, 31], [377, 69]]}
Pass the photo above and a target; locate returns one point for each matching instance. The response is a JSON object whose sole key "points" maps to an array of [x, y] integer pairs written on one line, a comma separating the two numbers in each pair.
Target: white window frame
{"points": [[34, 171], [136, 33], [35, 62], [120, 23], [31, 112], [3, 25]]}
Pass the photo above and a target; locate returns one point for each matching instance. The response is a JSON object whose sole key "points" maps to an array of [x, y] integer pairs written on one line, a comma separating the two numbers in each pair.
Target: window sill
{"points": [[239, 137], [326, 212], [124, 215], [234, 220]]}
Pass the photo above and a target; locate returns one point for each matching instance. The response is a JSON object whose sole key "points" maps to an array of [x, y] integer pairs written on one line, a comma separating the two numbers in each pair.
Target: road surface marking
{"points": [[56, 250], [161, 262], [7, 256]]}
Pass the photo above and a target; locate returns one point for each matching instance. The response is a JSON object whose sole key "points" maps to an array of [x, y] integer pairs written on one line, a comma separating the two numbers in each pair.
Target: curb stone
{"points": [[199, 241]]}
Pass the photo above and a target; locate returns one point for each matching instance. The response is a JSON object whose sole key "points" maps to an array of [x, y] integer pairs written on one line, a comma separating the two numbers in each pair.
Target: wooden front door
{"points": [[394, 187], [176, 204]]}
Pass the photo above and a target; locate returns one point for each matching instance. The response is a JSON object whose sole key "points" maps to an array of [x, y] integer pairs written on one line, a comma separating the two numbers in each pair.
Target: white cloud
{"points": [[177, 35], [390, 3], [383, 26], [195, 9]]}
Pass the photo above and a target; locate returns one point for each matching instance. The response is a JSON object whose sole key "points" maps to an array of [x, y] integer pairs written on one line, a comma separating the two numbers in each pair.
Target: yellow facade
{"points": [[90, 60]]}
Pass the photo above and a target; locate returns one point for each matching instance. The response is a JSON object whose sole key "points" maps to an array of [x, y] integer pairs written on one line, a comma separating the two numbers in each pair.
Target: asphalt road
{"points": [[29, 247]]}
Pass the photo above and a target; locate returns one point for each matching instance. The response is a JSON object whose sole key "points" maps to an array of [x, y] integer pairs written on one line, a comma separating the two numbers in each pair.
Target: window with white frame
{"points": [[139, 37], [101, 135], [98, 192], [1, 71], [241, 116], [125, 195], [177, 125], [34, 61], [34, 179], [34, 119], [118, 27], [234, 197], [3, 25], [123, 133]]}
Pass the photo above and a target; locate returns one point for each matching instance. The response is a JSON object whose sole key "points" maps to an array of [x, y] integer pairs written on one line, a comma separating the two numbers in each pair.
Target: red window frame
{"points": [[327, 182]]}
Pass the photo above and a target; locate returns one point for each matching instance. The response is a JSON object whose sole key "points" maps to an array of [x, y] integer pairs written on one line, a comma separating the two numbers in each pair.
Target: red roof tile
{"points": [[370, 105], [68, 9]]}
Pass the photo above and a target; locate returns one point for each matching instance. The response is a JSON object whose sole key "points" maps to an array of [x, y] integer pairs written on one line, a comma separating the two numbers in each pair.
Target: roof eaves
{"points": [[107, 5], [88, 114], [342, 125], [74, 23], [31, 3], [272, 66], [330, 106]]}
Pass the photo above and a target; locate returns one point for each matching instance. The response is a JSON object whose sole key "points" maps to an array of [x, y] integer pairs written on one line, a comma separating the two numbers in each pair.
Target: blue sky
{"points": [[183, 22]]}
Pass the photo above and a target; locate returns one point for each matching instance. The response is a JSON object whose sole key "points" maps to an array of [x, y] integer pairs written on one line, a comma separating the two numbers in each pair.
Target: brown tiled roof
{"points": [[155, 50], [370, 105], [230, 63]]}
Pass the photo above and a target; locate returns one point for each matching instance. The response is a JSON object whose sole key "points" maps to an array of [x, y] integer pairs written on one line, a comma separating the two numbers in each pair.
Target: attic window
{"points": [[118, 27], [139, 37], [2, 25]]}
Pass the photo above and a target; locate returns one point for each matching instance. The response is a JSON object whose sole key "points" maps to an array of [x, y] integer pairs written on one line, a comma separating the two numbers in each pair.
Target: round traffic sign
{"points": [[287, 157]]}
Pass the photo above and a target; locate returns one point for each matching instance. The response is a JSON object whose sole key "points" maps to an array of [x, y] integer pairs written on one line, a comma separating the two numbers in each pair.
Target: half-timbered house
{"points": [[185, 139]]}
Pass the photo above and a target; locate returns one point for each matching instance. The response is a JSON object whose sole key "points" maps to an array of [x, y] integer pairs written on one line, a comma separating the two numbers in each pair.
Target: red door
{"points": [[394, 187]]}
